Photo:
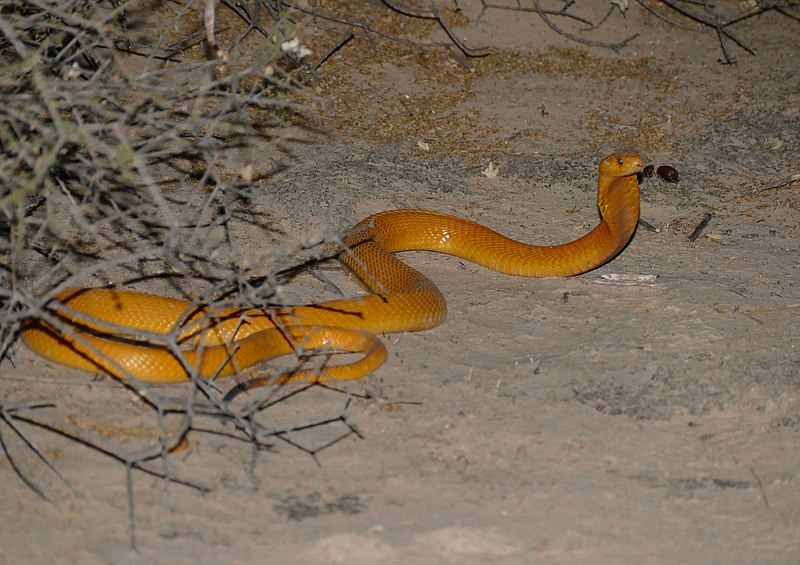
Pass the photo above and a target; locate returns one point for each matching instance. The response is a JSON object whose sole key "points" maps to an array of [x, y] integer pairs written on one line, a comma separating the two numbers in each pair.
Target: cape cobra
{"points": [[159, 339]]}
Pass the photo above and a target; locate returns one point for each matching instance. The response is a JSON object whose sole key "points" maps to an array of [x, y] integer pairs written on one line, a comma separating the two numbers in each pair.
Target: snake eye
{"points": [[620, 162]]}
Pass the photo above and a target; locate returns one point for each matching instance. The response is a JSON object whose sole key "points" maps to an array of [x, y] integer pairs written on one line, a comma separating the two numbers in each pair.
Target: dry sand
{"points": [[652, 419]]}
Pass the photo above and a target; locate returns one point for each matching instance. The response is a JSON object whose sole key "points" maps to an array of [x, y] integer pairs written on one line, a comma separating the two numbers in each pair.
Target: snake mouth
{"points": [[620, 165], [636, 169]]}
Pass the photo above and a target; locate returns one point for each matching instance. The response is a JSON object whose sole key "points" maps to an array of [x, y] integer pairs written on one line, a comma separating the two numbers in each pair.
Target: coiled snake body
{"points": [[96, 326]]}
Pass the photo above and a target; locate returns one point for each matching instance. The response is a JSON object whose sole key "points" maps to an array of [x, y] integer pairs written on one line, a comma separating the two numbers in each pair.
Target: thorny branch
{"points": [[128, 161]]}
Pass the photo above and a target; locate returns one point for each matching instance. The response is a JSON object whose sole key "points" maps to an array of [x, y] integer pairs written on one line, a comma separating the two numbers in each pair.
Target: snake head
{"points": [[621, 165]]}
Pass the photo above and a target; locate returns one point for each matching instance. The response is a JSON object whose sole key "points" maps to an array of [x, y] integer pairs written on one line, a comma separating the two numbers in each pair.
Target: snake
{"points": [[159, 339]]}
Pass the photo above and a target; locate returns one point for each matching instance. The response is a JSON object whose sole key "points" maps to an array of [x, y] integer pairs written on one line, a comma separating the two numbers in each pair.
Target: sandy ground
{"points": [[648, 420]]}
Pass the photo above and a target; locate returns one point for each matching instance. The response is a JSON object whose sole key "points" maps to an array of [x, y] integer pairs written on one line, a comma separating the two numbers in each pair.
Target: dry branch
{"points": [[712, 17], [118, 142]]}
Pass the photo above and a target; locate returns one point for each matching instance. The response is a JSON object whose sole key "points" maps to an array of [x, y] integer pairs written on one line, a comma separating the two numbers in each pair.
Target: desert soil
{"points": [[652, 417]]}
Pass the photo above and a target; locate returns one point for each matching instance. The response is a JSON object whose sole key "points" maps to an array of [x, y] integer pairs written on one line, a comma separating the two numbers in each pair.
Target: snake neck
{"points": [[618, 202], [375, 238]]}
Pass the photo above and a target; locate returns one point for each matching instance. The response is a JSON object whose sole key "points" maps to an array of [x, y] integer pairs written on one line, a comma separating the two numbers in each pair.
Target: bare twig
{"points": [[648, 226], [564, 12], [646, 5], [761, 487], [779, 183], [554, 27], [434, 14], [209, 20], [700, 227], [333, 49], [718, 22]]}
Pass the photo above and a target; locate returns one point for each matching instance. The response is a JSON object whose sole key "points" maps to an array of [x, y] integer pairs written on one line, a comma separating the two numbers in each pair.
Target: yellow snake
{"points": [[102, 330]]}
